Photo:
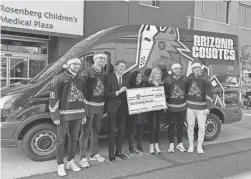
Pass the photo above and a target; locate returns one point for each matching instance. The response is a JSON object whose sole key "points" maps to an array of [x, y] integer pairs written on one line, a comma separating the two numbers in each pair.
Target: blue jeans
{"points": [[91, 127]]}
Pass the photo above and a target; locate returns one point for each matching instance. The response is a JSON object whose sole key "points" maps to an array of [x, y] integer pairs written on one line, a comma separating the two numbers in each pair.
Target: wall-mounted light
{"points": [[189, 20]]}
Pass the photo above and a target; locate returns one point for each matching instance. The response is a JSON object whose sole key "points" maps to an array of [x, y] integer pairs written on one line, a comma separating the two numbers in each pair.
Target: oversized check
{"points": [[145, 99]]}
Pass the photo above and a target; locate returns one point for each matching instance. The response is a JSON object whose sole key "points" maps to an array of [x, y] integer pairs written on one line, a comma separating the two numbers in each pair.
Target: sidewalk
{"points": [[148, 164]]}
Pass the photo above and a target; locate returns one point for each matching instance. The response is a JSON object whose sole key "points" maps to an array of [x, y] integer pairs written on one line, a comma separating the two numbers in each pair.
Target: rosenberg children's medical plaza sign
{"points": [[52, 16]]}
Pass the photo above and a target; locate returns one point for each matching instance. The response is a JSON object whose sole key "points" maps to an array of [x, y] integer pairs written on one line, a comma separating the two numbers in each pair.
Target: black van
{"points": [[24, 107]]}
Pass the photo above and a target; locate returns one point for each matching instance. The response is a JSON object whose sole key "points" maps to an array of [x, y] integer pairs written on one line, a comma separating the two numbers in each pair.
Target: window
{"points": [[225, 71], [23, 46], [210, 10], [242, 16], [216, 10], [245, 16], [222, 11], [152, 3], [35, 66], [87, 60], [248, 17]]}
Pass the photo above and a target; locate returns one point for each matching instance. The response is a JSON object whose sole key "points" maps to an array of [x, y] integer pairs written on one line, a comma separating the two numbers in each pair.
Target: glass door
{"points": [[4, 71]]}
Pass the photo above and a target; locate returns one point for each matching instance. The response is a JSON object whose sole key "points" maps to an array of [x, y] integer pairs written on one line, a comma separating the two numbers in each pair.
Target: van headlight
{"points": [[8, 107]]}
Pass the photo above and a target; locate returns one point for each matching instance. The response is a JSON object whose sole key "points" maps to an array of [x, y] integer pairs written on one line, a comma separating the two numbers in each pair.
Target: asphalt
{"points": [[218, 161]]}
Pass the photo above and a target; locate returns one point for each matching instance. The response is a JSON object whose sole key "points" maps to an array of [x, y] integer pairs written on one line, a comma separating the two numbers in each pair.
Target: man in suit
{"points": [[117, 109]]}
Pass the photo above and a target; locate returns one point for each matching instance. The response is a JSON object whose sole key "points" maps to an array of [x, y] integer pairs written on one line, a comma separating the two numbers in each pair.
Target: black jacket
{"points": [[114, 101]]}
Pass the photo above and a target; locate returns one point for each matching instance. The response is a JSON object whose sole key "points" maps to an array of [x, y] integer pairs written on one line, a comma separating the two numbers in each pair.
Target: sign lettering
{"points": [[213, 48]]}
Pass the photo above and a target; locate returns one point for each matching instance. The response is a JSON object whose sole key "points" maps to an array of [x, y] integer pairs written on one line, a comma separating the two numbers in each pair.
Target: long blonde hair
{"points": [[153, 73]]}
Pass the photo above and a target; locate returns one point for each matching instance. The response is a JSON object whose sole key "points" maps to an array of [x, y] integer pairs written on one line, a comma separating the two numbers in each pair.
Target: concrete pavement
{"points": [[219, 161], [25, 167]]}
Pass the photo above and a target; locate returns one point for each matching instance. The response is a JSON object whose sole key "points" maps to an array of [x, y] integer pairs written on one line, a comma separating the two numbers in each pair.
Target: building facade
{"points": [[228, 16], [35, 33]]}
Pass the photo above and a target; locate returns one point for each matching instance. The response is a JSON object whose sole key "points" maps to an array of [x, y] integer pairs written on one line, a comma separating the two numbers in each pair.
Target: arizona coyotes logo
{"points": [[160, 45], [75, 94]]}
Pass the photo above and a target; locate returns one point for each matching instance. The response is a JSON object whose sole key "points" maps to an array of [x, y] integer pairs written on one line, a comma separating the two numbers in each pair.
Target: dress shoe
{"points": [[120, 155], [112, 158]]}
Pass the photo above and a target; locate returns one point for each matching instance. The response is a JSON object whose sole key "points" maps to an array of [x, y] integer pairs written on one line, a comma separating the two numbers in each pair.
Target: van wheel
{"points": [[39, 142], [213, 127]]}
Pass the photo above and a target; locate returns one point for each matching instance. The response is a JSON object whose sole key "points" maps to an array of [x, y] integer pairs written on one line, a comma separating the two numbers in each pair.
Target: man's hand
{"points": [[123, 89], [206, 112], [57, 122], [83, 120]]}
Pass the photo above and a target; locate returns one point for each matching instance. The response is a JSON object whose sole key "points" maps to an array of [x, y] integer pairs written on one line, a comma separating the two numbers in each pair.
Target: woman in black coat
{"points": [[136, 122]]}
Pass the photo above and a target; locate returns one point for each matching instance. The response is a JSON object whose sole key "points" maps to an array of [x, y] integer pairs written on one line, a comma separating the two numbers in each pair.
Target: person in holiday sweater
{"points": [[176, 96], [155, 116], [199, 103], [67, 108], [95, 100], [136, 122]]}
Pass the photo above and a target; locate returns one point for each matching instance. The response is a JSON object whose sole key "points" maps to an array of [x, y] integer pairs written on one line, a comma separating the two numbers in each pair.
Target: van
{"points": [[24, 107]]}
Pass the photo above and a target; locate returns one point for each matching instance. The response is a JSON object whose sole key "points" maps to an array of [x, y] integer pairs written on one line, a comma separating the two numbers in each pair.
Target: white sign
{"points": [[52, 16], [146, 99]]}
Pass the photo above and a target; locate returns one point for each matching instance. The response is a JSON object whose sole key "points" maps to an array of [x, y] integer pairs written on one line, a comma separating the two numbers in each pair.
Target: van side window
{"points": [[225, 72], [87, 60]]}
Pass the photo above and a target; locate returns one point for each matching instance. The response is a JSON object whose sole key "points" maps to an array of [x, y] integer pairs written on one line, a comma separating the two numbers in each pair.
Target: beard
{"points": [[75, 70], [177, 74]]}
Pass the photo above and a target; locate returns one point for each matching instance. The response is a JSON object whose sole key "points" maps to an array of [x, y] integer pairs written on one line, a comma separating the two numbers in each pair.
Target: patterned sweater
{"points": [[95, 89], [200, 94], [66, 97], [176, 93]]}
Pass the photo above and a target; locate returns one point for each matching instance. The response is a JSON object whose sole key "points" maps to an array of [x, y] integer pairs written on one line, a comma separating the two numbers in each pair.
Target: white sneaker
{"points": [[71, 165], [171, 148], [98, 158], [61, 170], [200, 149], [151, 149], [84, 163], [181, 147], [156, 147], [191, 148]]}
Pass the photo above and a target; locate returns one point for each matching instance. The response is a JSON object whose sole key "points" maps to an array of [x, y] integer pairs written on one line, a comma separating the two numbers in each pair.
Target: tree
{"points": [[245, 58], [246, 53]]}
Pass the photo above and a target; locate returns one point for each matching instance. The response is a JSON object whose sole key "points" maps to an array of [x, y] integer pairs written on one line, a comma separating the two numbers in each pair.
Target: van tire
{"points": [[39, 142], [213, 127]]}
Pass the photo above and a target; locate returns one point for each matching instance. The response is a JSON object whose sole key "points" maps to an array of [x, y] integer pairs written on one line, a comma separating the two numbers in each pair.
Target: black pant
{"points": [[133, 126], [116, 120], [73, 132], [155, 118], [178, 119]]}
